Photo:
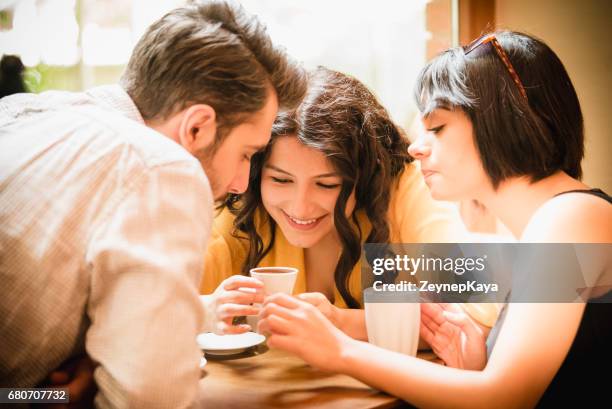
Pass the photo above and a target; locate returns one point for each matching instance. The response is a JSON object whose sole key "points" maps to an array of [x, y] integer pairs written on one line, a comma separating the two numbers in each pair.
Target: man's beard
{"points": [[206, 156]]}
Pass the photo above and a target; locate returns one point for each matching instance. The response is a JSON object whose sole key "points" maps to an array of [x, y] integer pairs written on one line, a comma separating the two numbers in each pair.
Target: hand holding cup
{"points": [[236, 296]]}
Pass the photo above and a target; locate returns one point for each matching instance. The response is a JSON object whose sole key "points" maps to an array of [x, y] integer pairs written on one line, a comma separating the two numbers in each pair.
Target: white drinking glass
{"points": [[393, 322]]}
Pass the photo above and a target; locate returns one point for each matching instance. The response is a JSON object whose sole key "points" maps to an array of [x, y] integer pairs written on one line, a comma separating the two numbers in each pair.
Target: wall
{"points": [[579, 32]]}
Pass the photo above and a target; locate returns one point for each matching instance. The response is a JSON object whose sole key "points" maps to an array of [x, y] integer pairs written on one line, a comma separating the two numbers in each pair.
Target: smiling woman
{"points": [[336, 174], [299, 190]]}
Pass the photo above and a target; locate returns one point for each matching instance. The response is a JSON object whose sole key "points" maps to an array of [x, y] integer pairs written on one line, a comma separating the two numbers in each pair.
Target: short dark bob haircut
{"points": [[515, 136]]}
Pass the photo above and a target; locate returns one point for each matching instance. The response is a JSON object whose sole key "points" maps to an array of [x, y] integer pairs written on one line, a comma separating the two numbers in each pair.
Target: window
{"points": [[76, 44]]}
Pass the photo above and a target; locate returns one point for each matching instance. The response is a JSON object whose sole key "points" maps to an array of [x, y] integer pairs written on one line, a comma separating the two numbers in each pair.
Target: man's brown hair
{"points": [[211, 53]]}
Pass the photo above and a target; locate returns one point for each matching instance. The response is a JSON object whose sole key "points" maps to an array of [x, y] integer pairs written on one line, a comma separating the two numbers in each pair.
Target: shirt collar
{"points": [[117, 99]]}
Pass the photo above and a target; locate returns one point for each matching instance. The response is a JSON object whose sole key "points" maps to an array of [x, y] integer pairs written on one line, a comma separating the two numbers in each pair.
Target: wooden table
{"points": [[269, 378]]}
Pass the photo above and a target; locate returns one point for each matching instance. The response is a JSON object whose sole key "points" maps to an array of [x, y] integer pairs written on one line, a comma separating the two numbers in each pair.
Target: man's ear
{"points": [[198, 127]]}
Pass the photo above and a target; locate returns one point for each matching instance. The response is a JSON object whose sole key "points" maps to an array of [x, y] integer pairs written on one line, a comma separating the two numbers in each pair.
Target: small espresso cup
{"points": [[275, 280], [392, 322]]}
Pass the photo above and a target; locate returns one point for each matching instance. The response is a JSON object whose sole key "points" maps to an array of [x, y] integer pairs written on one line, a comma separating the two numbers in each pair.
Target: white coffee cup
{"points": [[391, 324], [275, 280]]}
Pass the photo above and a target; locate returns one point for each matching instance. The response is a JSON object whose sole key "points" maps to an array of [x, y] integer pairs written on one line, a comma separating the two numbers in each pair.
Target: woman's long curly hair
{"points": [[342, 119]]}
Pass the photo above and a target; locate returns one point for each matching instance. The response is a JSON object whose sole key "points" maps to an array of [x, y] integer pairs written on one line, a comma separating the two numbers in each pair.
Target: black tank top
{"points": [[583, 377]]}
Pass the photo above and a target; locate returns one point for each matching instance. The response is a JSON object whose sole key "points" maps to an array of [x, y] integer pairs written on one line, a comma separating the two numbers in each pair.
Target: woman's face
{"points": [[299, 189], [449, 159]]}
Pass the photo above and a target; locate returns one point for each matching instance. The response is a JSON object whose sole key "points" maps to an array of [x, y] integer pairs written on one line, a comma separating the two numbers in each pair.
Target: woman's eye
{"points": [[436, 129], [324, 186], [280, 180]]}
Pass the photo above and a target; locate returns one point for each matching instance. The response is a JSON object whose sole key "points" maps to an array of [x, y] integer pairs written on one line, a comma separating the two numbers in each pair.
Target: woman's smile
{"points": [[302, 224]]}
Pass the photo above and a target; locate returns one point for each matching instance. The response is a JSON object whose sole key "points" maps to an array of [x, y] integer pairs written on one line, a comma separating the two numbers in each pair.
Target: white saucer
{"points": [[214, 344]]}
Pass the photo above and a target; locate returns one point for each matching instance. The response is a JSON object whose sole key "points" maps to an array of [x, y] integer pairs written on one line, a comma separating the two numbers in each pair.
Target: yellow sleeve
{"points": [[225, 253], [415, 217]]}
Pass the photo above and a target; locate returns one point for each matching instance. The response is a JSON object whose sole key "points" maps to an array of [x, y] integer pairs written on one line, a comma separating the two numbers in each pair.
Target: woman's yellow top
{"points": [[413, 217]]}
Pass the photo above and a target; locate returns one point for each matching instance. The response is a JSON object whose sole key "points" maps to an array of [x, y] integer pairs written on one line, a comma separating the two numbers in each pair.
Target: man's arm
{"points": [[146, 259]]}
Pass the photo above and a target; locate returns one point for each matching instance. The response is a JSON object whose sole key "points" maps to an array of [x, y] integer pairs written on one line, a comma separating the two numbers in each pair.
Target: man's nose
{"points": [[240, 183]]}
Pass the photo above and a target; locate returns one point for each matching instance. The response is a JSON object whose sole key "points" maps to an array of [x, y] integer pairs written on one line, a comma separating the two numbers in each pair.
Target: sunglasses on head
{"points": [[491, 39]]}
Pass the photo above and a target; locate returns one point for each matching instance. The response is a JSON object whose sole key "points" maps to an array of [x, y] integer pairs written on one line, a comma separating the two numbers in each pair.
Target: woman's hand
{"points": [[233, 298], [349, 321], [453, 335], [301, 328], [323, 304]]}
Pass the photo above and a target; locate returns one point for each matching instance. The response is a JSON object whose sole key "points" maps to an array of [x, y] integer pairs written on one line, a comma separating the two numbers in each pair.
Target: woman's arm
{"points": [[531, 347], [352, 323]]}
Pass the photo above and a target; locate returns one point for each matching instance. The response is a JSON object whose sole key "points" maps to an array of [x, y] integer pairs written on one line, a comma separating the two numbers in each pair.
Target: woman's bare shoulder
{"points": [[571, 218]]}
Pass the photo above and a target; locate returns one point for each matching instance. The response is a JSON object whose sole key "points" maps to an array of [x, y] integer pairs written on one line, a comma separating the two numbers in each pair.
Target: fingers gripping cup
{"points": [[275, 280]]}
